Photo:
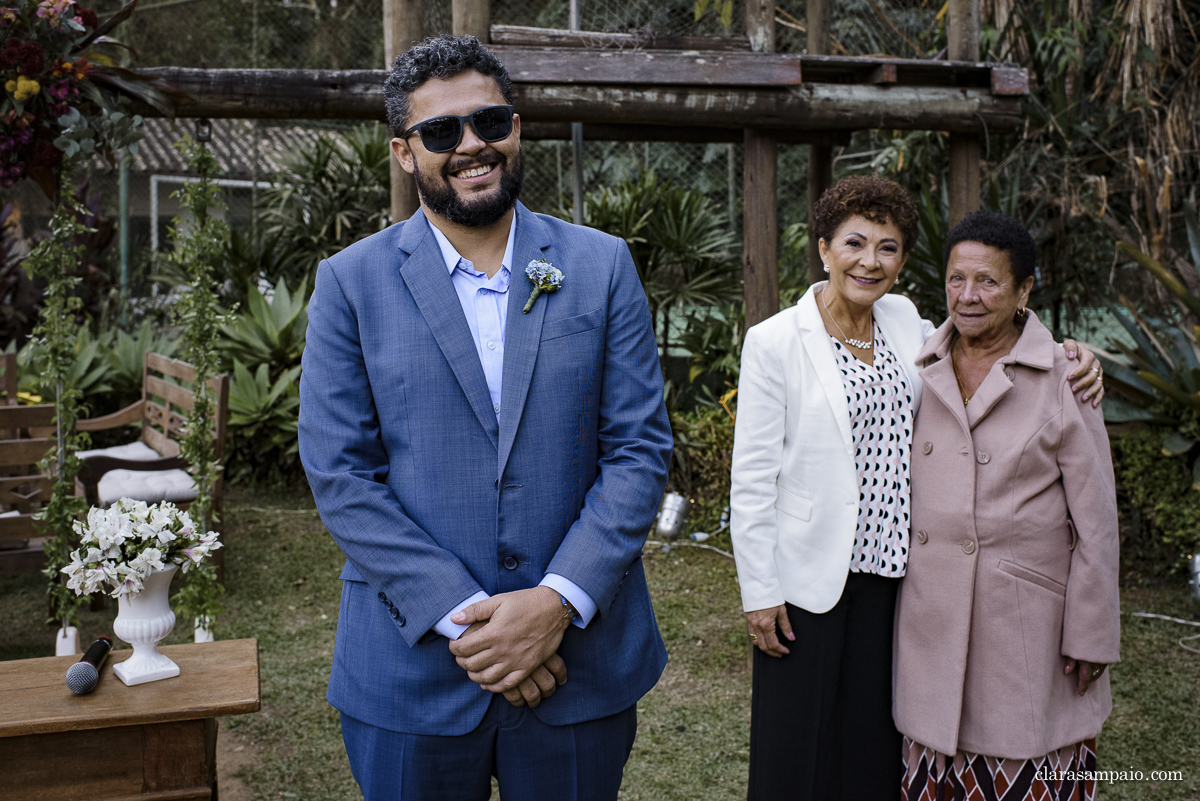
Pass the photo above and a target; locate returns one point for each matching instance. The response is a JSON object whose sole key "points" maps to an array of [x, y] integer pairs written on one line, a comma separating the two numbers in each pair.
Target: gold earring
{"points": [[1021, 313]]}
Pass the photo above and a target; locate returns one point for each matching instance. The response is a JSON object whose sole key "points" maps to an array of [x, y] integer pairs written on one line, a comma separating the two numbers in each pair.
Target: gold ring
{"points": [[1096, 369], [753, 636]]}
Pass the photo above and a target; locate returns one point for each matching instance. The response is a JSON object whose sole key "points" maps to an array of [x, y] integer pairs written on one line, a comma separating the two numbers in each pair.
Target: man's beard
{"points": [[440, 198]]}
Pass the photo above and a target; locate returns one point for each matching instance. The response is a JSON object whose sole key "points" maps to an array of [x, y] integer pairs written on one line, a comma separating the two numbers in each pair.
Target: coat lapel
{"points": [[425, 275], [523, 332], [815, 339], [937, 372]]}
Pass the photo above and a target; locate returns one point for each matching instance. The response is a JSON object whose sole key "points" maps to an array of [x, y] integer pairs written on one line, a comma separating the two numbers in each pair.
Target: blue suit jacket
{"points": [[432, 496]]}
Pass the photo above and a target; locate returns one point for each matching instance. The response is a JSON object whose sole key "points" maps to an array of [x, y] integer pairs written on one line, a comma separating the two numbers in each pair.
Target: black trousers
{"points": [[821, 717]]}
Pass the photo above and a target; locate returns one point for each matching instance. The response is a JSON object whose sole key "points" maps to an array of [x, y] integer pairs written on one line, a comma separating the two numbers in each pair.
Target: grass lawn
{"points": [[693, 740]]}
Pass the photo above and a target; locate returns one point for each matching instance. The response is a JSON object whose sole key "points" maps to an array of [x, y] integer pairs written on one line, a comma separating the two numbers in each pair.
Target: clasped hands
{"points": [[511, 644]]}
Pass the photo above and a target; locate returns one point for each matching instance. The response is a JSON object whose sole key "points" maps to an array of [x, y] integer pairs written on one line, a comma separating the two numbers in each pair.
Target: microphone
{"points": [[84, 675]]}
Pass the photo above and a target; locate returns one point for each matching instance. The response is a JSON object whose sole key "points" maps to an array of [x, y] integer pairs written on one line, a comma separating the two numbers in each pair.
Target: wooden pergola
{"points": [[711, 89]]}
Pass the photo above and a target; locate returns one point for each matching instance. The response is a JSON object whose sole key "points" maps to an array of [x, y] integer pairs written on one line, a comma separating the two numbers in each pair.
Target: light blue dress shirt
{"points": [[485, 303]]}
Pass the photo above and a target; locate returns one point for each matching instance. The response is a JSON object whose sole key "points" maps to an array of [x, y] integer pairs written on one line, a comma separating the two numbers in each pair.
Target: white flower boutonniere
{"points": [[545, 277]]}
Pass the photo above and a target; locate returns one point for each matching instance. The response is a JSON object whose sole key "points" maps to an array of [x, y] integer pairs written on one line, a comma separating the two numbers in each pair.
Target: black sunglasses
{"points": [[442, 134]]}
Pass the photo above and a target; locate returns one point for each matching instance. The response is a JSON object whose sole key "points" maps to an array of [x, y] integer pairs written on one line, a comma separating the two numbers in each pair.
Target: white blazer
{"points": [[794, 496]]}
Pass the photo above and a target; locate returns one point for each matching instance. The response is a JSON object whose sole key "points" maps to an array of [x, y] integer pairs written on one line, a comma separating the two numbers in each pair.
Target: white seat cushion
{"points": [[151, 486]]}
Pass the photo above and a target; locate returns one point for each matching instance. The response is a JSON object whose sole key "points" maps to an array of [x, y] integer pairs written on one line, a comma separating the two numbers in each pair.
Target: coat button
{"points": [[983, 457], [510, 563], [394, 612], [922, 537], [400, 621], [968, 547], [1009, 373], [927, 448], [383, 599]]}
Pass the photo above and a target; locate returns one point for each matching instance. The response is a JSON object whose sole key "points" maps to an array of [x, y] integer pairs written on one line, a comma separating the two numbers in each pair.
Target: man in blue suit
{"points": [[489, 456]]}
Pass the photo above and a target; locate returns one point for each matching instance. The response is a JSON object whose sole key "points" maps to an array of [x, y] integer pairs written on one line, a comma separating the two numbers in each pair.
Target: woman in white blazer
{"points": [[820, 504]]}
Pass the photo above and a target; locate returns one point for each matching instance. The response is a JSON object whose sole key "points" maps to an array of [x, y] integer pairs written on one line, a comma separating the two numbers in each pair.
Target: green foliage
{"points": [[264, 421], [680, 242], [268, 332], [329, 197], [703, 454], [88, 373], [1161, 511], [53, 261], [197, 250], [125, 357]]}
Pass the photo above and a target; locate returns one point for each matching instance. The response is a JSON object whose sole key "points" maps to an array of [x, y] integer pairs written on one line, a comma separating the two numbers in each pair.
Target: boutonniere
{"points": [[546, 278]]}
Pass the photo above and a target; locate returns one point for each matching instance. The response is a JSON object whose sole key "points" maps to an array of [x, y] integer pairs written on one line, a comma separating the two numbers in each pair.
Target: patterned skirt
{"points": [[931, 776]]}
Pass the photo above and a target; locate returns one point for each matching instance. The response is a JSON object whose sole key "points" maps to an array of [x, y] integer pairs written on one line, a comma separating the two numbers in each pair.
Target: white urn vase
{"points": [[142, 620]]}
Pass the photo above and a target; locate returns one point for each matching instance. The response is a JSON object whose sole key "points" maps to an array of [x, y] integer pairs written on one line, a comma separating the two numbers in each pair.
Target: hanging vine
{"points": [[197, 248], [53, 261]]}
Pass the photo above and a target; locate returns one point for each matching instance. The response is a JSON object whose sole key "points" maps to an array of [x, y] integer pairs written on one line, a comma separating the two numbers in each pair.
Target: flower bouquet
{"points": [[134, 548]]}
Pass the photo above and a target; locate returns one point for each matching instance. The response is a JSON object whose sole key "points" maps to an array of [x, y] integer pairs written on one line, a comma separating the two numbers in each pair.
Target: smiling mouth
{"points": [[863, 280], [474, 172]]}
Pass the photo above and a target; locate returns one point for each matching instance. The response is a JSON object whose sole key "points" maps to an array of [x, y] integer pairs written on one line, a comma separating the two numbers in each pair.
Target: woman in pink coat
{"points": [[1008, 615]]}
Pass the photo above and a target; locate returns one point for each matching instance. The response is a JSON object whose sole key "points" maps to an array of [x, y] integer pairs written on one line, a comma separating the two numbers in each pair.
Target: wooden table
{"points": [[151, 742]]}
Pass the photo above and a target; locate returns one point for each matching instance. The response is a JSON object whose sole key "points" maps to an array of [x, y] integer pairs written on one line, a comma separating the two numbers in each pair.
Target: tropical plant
{"points": [[679, 240], [264, 421], [87, 372], [126, 357], [269, 331], [328, 197]]}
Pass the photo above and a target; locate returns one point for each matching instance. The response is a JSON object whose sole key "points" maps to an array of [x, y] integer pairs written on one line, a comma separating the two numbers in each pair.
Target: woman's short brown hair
{"points": [[877, 199]]}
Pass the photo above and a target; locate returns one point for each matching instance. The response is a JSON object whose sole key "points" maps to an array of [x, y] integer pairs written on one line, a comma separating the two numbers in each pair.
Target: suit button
{"points": [[922, 537], [394, 612], [383, 599], [400, 620], [510, 563], [1008, 373], [984, 457], [968, 547], [927, 448]]}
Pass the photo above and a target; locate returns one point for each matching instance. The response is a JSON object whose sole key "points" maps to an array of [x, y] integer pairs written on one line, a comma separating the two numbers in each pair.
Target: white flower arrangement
{"points": [[121, 545]]}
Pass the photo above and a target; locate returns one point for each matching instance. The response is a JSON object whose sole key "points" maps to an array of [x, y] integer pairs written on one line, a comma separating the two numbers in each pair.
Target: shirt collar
{"points": [[452, 257]]}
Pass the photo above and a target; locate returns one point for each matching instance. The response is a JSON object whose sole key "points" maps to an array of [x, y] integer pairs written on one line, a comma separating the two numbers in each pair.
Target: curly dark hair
{"points": [[437, 57], [877, 199], [1001, 232]]}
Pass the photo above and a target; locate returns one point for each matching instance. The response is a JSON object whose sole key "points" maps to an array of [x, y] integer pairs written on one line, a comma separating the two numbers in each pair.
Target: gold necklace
{"points": [[954, 366], [858, 343]]}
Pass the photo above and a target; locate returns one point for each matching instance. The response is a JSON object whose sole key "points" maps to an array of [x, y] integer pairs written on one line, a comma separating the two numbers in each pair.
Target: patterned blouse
{"points": [[881, 427]]}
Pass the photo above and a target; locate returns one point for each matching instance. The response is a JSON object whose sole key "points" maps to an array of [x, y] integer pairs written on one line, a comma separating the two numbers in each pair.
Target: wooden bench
{"points": [[150, 469], [28, 432]]}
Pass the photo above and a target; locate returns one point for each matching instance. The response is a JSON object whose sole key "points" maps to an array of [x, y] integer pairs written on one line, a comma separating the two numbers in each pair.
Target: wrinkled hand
{"points": [[523, 630], [540, 685], [763, 625], [1088, 376], [1088, 672]]}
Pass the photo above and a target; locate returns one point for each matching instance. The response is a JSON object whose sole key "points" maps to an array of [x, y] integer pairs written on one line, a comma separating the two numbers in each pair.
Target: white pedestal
{"points": [[66, 642]]}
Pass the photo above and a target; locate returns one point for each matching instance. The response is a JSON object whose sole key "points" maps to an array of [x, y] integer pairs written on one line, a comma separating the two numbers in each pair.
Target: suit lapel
{"points": [[425, 275], [523, 332], [815, 340]]}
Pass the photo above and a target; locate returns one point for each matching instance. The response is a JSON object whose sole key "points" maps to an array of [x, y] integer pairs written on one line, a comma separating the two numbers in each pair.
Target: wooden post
{"points": [[760, 222], [820, 157], [401, 30], [963, 45], [471, 17]]}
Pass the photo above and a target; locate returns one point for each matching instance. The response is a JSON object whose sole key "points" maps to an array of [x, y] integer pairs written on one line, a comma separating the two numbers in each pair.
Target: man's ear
{"points": [[517, 125], [403, 154]]}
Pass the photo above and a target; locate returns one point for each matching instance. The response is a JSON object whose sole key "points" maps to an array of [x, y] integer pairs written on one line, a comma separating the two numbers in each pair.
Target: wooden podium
{"points": [[151, 742]]}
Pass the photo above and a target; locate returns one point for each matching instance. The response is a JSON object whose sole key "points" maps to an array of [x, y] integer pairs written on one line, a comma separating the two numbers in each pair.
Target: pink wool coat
{"points": [[1013, 564]]}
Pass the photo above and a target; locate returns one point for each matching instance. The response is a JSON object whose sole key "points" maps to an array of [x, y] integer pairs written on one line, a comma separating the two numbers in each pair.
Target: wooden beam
{"points": [[596, 67], [610, 132], [358, 95], [963, 44], [401, 30], [554, 37], [760, 227], [760, 198], [471, 18]]}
